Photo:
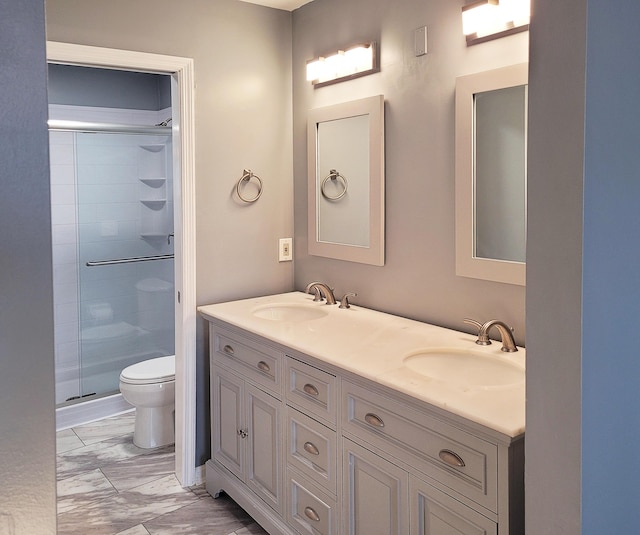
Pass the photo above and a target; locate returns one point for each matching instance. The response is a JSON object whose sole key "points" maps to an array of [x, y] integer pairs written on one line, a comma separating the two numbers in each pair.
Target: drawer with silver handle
{"points": [[259, 362], [452, 456], [311, 389], [311, 449], [310, 510]]}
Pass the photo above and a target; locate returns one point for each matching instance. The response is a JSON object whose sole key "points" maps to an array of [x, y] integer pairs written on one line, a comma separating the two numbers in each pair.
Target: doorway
{"points": [[180, 71]]}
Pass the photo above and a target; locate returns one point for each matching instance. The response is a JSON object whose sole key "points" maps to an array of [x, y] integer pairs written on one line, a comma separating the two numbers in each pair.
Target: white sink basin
{"points": [[289, 312], [465, 368]]}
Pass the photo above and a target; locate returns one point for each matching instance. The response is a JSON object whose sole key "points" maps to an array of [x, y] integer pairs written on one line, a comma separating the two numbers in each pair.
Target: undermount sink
{"points": [[289, 312], [465, 368]]}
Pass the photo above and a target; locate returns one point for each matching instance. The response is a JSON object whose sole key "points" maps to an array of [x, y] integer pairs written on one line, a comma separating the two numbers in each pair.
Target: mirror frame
{"points": [[374, 253], [467, 264]]}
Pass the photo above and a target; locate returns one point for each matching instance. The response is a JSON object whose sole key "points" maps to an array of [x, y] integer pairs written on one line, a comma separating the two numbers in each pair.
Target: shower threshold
{"points": [[85, 410]]}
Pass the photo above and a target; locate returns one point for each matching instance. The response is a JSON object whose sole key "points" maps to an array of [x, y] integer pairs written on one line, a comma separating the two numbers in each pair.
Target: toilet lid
{"points": [[158, 370]]}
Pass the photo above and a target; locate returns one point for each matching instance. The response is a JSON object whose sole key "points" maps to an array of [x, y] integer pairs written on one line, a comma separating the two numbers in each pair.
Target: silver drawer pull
{"points": [[310, 389], [451, 458], [309, 447], [228, 350], [310, 513], [373, 420], [263, 366]]}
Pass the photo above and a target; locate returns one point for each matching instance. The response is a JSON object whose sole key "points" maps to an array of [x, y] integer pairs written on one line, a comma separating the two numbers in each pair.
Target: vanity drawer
{"points": [[309, 509], [253, 360], [312, 390], [451, 456], [312, 449]]}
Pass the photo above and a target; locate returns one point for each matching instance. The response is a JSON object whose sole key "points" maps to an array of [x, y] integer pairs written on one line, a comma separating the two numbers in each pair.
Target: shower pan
{"points": [[113, 252]]}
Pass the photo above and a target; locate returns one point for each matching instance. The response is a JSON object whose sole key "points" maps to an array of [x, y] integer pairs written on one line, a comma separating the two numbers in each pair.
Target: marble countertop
{"points": [[375, 345]]}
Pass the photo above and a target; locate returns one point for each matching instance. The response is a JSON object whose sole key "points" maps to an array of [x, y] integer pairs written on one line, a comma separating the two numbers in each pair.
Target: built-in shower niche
{"points": [[155, 213]]}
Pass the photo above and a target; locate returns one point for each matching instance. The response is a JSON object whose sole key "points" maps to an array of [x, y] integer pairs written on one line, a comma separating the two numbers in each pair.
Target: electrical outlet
{"points": [[285, 250]]}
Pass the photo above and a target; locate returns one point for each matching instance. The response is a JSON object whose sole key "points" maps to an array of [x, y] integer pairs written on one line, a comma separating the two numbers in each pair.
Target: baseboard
{"points": [[200, 473], [90, 411]]}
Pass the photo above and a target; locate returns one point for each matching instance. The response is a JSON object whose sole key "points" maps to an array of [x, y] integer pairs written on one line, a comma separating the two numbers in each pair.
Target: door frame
{"points": [[183, 124]]}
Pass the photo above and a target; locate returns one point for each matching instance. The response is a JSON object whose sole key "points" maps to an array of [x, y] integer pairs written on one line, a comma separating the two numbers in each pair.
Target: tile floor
{"points": [[108, 486]]}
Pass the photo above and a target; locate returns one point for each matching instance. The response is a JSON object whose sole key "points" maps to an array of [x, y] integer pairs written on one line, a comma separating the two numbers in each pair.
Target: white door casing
{"points": [[182, 103]]}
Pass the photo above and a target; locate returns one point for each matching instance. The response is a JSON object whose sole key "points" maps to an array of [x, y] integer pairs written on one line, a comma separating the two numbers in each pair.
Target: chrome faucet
{"points": [[506, 334], [321, 290]]}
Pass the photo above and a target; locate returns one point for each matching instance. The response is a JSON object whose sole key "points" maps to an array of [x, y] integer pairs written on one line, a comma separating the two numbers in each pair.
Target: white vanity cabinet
{"points": [[309, 448]]}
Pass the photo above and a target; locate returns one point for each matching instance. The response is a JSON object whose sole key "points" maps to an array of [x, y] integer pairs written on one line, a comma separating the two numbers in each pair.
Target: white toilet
{"points": [[150, 387]]}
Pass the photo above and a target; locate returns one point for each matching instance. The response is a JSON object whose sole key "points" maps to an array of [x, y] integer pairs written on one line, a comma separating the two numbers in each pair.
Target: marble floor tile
{"points": [[135, 471], [136, 530], [111, 487], [95, 455], [105, 429], [67, 440], [80, 490], [213, 517], [252, 529], [126, 510]]}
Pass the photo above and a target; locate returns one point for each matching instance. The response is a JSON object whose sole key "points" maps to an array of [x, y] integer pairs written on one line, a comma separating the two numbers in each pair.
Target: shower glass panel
{"points": [[125, 222]]}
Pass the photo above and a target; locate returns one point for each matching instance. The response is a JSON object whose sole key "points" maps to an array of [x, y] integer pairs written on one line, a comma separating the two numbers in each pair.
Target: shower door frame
{"points": [[182, 103]]}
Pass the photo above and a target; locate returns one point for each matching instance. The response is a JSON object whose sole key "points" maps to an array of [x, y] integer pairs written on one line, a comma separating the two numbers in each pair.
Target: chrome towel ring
{"points": [[246, 177], [334, 175]]}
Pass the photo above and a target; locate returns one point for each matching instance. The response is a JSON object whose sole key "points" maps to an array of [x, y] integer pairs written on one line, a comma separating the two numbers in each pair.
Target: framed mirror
{"points": [[491, 174], [345, 145]]}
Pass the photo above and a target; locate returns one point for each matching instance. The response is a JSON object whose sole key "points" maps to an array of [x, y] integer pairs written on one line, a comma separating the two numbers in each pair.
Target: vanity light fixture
{"points": [[483, 20], [353, 62]]}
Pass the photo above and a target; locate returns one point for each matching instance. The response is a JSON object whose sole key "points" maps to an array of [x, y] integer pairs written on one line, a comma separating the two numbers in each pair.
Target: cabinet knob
{"points": [[373, 419], [228, 350], [451, 458], [242, 433], [310, 389], [263, 366], [310, 447], [311, 513]]}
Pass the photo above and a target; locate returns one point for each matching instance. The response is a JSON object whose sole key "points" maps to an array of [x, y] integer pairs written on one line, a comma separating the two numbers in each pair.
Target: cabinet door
{"points": [[264, 470], [227, 410], [435, 513], [374, 493]]}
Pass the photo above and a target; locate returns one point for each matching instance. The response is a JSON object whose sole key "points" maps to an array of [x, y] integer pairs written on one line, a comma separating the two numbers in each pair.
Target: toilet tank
{"points": [[155, 304]]}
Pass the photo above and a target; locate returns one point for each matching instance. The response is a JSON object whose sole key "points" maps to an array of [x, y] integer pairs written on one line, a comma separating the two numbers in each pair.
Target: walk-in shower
{"points": [[112, 221]]}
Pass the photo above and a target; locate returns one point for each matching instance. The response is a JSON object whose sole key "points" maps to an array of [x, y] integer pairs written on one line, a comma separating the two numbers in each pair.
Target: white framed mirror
{"points": [[491, 174], [345, 146]]}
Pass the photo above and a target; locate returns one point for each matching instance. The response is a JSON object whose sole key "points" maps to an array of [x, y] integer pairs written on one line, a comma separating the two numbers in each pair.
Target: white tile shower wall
{"points": [[114, 214]]}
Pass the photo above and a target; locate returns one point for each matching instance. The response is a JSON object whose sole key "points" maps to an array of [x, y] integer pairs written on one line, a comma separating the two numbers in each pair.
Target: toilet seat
{"points": [[158, 370]]}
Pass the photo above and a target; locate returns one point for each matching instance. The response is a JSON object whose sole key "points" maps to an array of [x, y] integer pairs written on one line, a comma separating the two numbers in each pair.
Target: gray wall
{"points": [[418, 280], [27, 446], [554, 268], [610, 278], [108, 88], [242, 58]]}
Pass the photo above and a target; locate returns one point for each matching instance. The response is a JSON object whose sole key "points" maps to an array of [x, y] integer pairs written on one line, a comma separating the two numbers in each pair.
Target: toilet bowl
{"points": [[150, 387]]}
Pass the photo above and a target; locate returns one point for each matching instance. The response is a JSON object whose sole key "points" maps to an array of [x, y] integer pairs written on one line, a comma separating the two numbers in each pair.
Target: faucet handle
{"points": [[473, 322], [344, 302], [483, 337]]}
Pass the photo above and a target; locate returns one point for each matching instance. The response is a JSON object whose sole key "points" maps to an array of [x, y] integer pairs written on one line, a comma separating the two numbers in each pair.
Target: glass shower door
{"points": [[125, 251]]}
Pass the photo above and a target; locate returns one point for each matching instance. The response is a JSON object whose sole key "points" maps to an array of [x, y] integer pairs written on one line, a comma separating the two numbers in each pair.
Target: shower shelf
{"points": [[154, 204], [153, 182]]}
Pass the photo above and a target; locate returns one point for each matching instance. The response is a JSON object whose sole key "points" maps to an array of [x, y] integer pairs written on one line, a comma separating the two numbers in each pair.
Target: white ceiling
{"points": [[288, 5]]}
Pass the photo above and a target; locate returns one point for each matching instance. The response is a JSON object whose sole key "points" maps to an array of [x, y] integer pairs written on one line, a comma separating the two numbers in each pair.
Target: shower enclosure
{"points": [[112, 209]]}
